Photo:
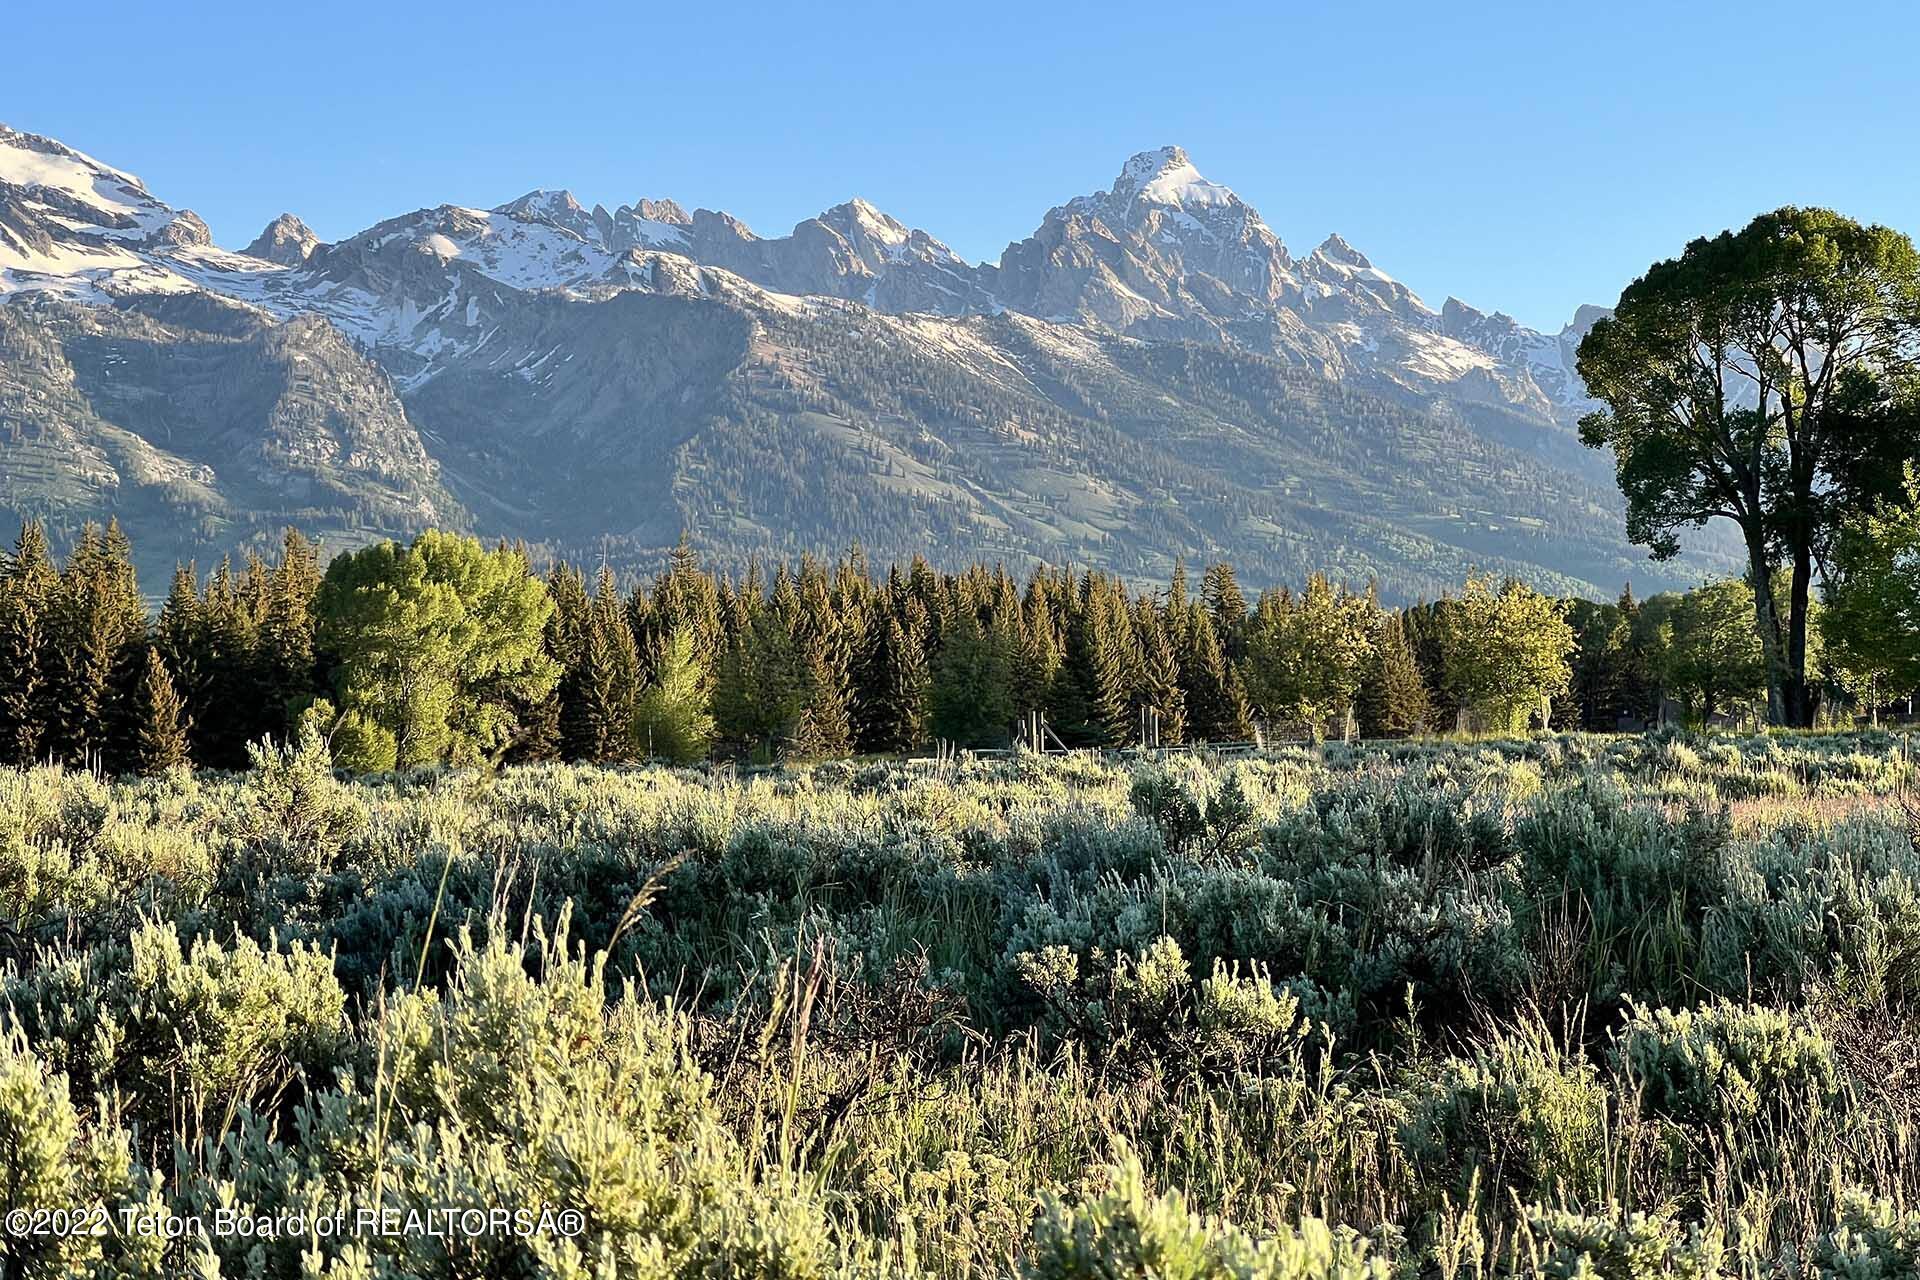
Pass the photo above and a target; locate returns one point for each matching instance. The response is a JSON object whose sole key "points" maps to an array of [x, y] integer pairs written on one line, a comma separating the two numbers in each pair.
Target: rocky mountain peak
{"points": [[1335, 249], [286, 240], [662, 211], [542, 204], [54, 195], [1156, 181], [1167, 177]]}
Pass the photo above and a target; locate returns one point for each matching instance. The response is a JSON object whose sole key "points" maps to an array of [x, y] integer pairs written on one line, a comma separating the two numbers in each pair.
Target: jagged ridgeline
{"points": [[1151, 376]]}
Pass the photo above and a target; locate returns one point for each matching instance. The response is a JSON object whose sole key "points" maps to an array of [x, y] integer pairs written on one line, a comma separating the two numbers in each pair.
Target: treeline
{"points": [[446, 651]]}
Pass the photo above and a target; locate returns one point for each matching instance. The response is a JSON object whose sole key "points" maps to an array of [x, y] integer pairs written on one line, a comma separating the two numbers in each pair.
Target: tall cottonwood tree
{"points": [[431, 644], [1306, 653], [1505, 651], [1760, 377]]}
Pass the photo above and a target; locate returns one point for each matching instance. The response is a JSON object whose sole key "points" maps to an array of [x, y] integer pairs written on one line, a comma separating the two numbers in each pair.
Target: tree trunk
{"points": [[1799, 697], [1767, 620]]}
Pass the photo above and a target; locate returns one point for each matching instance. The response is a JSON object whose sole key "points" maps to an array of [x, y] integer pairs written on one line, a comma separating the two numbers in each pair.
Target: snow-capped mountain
{"points": [[1164, 254], [554, 372]]}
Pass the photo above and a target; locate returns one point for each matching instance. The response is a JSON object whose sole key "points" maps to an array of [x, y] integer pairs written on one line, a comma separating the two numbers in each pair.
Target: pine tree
{"points": [[1217, 708], [893, 681], [99, 622], [970, 702], [825, 727], [154, 733], [26, 598], [672, 721], [1393, 696], [761, 688], [225, 697], [599, 693], [1113, 666], [1161, 692], [1227, 606], [284, 660]]}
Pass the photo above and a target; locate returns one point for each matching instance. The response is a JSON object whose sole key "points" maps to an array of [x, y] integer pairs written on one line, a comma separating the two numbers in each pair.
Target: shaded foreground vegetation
{"points": [[1571, 1006]]}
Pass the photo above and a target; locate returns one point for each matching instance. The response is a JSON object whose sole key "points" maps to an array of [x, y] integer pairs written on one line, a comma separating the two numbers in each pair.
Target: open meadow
{"points": [[1574, 1005]]}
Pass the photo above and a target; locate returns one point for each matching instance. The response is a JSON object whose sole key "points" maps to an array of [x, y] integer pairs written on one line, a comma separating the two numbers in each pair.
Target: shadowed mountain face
{"points": [[1152, 375]]}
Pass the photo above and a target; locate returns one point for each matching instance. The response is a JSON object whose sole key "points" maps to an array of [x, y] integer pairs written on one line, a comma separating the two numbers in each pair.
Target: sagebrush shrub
{"points": [[184, 1030], [1563, 1244], [1520, 1112], [1725, 1063], [1130, 1231]]}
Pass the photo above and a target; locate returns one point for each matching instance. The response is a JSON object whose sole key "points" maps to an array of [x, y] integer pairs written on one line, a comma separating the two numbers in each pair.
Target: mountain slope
{"points": [[1152, 375]]}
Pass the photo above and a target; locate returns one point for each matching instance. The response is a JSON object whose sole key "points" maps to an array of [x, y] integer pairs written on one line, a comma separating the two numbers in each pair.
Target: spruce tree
{"points": [[762, 686], [1113, 667], [1227, 606], [27, 594], [970, 702], [893, 680], [1216, 701], [226, 694], [598, 694], [99, 622], [155, 728], [283, 658], [1160, 690], [1393, 696], [673, 721]]}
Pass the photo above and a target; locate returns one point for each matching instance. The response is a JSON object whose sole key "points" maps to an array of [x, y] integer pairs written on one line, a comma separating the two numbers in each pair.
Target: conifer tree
{"points": [[1113, 667], [225, 694], [284, 659], [153, 733], [762, 686], [1161, 692], [1217, 708], [1393, 696], [599, 693], [672, 721], [99, 620], [894, 680], [970, 702], [26, 599], [1227, 606]]}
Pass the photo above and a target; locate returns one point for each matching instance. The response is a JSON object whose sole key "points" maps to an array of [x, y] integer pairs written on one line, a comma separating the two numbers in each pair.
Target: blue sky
{"points": [[1523, 157]]}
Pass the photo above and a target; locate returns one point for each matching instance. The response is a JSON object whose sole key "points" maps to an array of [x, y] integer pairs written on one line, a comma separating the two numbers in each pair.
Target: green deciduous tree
{"points": [[1710, 652], [1757, 378], [1505, 651], [428, 642], [1305, 654], [1871, 624]]}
